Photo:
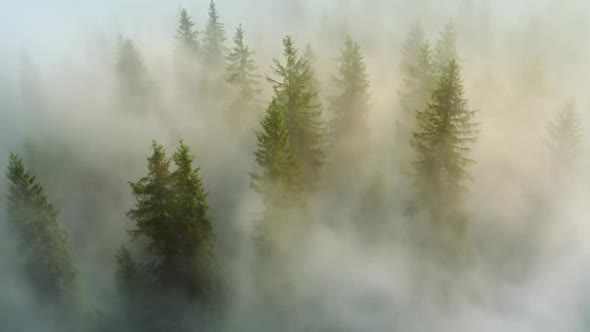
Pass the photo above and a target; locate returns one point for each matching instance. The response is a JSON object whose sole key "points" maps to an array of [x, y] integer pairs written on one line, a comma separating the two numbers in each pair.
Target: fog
{"points": [[528, 246]]}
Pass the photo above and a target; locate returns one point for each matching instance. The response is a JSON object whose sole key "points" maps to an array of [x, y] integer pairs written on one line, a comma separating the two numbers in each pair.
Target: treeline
{"points": [[168, 275]]}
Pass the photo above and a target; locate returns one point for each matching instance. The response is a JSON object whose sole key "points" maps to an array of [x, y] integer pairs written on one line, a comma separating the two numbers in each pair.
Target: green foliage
{"points": [[43, 244], [279, 180], [446, 47], [445, 131], [135, 89], [241, 74], [412, 49], [153, 210], [214, 38], [350, 105], [294, 91], [171, 213], [187, 37], [418, 85]]}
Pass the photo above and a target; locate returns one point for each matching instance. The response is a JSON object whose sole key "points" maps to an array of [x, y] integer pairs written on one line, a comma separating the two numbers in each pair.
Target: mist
{"points": [[358, 258]]}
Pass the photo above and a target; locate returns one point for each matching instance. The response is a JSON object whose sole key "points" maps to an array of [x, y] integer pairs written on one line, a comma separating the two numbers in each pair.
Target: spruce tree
{"points": [[171, 213], [214, 38], [565, 141], [419, 81], [349, 126], [279, 179], [294, 90], [442, 144], [135, 90], [241, 75], [44, 245], [153, 212], [194, 254], [411, 49], [186, 35], [446, 47]]}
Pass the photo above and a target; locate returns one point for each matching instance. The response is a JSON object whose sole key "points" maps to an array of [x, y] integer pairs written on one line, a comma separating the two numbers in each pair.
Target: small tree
{"points": [[279, 179], [241, 74], [446, 47], [445, 131], [214, 38], [135, 89], [350, 106], [294, 91], [44, 245], [186, 35]]}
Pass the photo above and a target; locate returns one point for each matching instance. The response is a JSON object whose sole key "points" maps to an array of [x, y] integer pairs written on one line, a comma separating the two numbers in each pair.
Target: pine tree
{"points": [[171, 213], [419, 82], [186, 35], [294, 91], [412, 48], [241, 74], [565, 141], [279, 179], [43, 244], [445, 131], [153, 212], [134, 86], [446, 47], [194, 255], [350, 106], [282, 224], [214, 38]]}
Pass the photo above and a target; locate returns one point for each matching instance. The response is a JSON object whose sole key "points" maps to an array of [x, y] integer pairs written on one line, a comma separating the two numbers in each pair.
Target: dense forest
{"points": [[312, 166]]}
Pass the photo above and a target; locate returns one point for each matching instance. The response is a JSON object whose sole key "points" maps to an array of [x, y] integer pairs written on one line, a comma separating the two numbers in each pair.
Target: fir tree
{"points": [[279, 179], [294, 91], [171, 213], [214, 38], [281, 225], [153, 212], [241, 74], [194, 256], [446, 47], [350, 106], [186, 35], [134, 86], [419, 81], [445, 131], [565, 141], [43, 244], [412, 48]]}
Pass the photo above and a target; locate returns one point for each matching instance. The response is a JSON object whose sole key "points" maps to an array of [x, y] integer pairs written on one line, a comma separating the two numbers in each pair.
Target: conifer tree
{"points": [[171, 213], [186, 35], [193, 231], [44, 245], [279, 179], [446, 47], [419, 81], [442, 143], [412, 48], [153, 212], [214, 38], [134, 86], [241, 74], [294, 91], [565, 141], [350, 106]]}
